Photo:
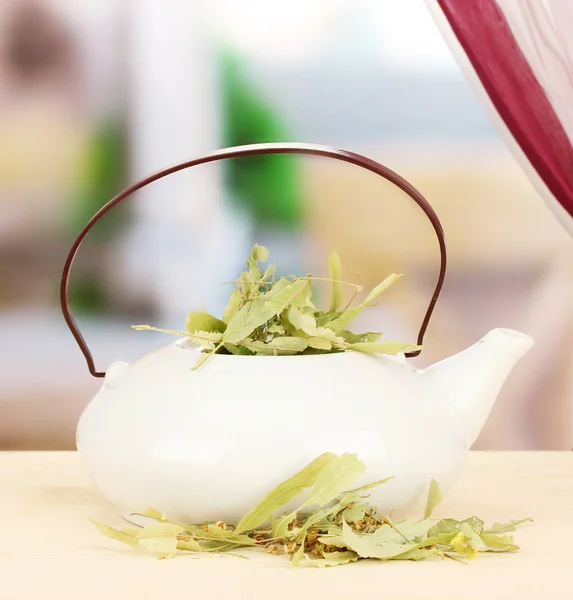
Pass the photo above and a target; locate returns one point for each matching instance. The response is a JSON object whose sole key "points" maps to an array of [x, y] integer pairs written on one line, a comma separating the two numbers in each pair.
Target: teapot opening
{"points": [[188, 345]]}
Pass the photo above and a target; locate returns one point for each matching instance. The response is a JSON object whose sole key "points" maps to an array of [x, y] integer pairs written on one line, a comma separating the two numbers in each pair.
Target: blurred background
{"points": [[98, 93]]}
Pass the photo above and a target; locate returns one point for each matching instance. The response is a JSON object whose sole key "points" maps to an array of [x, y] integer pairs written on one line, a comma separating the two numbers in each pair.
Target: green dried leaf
{"points": [[249, 282], [367, 547], [299, 554], [407, 530], [238, 350], [190, 545], [277, 346], [202, 321], [357, 338], [467, 542], [257, 312], [369, 486], [346, 317], [153, 514], [331, 559], [337, 474], [419, 554], [319, 343], [230, 536], [335, 274], [258, 254], [388, 347], [453, 526], [204, 357], [322, 319], [276, 328], [207, 339], [269, 272], [305, 322], [507, 527], [498, 543], [126, 537], [342, 470], [354, 512], [213, 532], [284, 493], [434, 498], [233, 305], [160, 538]]}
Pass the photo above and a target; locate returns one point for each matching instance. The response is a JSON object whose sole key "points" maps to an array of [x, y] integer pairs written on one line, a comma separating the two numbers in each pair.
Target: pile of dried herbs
{"points": [[266, 316], [343, 529]]}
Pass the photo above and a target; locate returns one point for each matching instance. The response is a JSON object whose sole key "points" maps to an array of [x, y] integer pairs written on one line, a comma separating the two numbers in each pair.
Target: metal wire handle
{"points": [[251, 150]]}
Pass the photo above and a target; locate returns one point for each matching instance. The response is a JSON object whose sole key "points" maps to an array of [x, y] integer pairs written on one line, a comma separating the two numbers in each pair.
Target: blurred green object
{"points": [[266, 186], [103, 175]]}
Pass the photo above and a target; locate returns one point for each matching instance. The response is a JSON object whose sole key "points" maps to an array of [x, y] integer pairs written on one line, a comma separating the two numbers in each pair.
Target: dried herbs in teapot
{"points": [[269, 316]]}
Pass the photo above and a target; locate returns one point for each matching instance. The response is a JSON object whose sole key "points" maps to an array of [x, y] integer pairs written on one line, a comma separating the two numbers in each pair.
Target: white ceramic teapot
{"points": [[188, 444]]}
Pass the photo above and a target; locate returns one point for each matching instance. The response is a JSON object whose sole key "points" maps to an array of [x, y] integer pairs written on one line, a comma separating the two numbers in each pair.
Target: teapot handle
{"points": [[251, 150]]}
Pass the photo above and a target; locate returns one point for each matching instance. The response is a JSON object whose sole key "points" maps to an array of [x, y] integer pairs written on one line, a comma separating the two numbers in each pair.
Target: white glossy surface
{"points": [[208, 444]]}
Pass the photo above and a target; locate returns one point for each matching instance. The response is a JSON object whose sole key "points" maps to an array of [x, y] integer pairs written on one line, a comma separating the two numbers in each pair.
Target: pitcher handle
{"points": [[251, 150]]}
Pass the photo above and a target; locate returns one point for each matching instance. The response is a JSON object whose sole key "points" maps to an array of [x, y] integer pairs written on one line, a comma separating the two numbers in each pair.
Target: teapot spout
{"points": [[471, 380]]}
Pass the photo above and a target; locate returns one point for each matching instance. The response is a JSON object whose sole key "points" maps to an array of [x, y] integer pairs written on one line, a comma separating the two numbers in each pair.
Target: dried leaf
{"points": [[276, 328], [257, 312], [299, 554], [407, 530], [258, 254], [269, 272], [335, 274], [202, 321], [357, 338], [160, 538], [367, 547], [331, 559], [346, 317], [190, 545], [304, 322], [207, 339], [250, 280], [434, 498], [337, 474], [369, 486], [507, 527], [116, 534], [498, 543], [284, 493], [467, 542], [354, 512], [453, 526], [153, 514], [387, 347], [319, 343], [238, 350], [233, 305], [278, 346], [419, 554], [340, 471], [214, 533], [322, 319]]}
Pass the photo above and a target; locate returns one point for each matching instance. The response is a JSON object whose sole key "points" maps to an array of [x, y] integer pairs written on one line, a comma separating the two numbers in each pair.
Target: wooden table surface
{"points": [[49, 549]]}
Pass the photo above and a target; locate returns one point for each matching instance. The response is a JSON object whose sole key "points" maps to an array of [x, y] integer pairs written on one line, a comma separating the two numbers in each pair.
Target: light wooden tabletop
{"points": [[49, 549]]}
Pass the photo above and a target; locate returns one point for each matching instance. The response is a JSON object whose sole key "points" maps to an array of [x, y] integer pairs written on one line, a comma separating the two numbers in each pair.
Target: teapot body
{"points": [[208, 444]]}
